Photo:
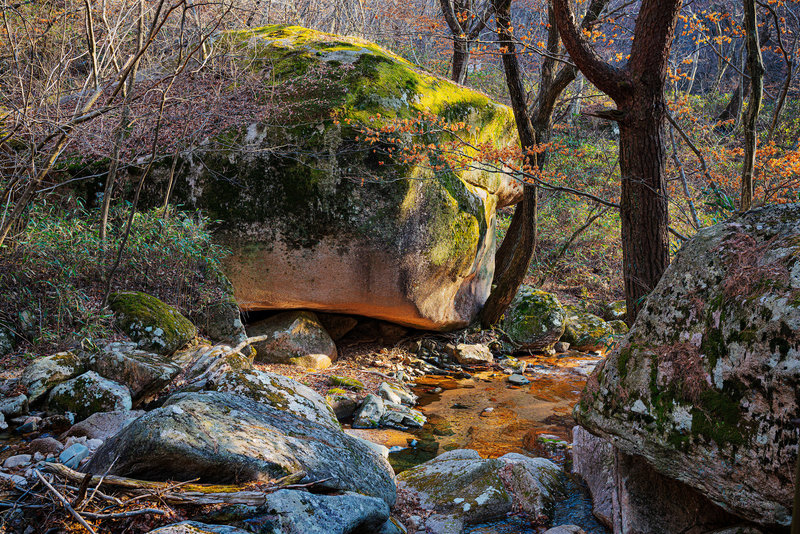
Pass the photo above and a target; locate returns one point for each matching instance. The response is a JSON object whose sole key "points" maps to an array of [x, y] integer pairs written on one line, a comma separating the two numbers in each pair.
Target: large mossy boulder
{"points": [[705, 385], [154, 325], [223, 437], [322, 214], [534, 320]]}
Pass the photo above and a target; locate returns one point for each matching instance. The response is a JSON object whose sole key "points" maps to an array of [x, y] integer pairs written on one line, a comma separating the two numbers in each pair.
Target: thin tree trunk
{"points": [[755, 69], [460, 60]]}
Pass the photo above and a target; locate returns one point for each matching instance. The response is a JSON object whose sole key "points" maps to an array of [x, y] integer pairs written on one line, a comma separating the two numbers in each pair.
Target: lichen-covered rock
{"points": [[206, 360], [586, 331], [401, 417], [346, 382], [370, 413], [534, 320], [144, 373], [335, 223], [618, 327], [593, 461], [87, 394], [14, 406], [344, 404], [459, 488], [44, 373], [396, 394], [704, 387], [295, 338], [300, 512], [223, 437], [615, 311], [195, 527], [152, 324], [277, 391], [221, 321]]}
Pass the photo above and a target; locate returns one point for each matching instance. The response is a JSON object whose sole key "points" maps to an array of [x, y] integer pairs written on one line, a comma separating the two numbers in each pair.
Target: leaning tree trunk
{"points": [[755, 69]]}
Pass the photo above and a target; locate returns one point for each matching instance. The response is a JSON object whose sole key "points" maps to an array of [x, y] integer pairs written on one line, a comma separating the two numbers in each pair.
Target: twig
{"points": [[119, 515], [82, 490], [64, 502]]}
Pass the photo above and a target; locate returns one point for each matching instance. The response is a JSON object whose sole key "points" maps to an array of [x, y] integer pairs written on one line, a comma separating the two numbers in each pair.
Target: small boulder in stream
{"points": [[459, 488], [223, 437], [585, 331], [534, 320]]}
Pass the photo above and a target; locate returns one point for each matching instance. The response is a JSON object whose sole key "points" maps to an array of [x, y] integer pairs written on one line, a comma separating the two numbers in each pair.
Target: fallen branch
{"points": [[121, 515], [65, 503]]}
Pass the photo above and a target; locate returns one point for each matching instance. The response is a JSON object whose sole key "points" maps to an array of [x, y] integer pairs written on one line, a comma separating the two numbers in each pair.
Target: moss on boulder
{"points": [[704, 386], [87, 394], [152, 324], [534, 320], [335, 222], [45, 373], [586, 331]]}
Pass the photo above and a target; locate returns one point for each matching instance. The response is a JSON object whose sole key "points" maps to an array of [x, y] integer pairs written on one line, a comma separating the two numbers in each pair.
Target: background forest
{"points": [[130, 81]]}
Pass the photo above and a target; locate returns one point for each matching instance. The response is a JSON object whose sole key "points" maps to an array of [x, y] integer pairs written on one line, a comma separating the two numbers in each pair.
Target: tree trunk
{"points": [[643, 202], [460, 59], [755, 69]]}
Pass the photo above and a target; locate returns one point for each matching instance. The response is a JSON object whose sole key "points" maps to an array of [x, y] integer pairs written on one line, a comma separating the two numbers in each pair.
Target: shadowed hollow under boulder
{"points": [[331, 221]]}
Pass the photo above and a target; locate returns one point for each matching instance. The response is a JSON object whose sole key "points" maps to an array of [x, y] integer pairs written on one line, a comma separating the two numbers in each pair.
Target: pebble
{"points": [[14, 479], [17, 461], [487, 412]]}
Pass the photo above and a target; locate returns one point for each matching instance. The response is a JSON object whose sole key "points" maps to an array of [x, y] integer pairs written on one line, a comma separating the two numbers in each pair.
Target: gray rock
{"points": [[103, 425], [336, 325], [144, 373], [205, 360], [459, 488], [73, 455], [18, 460], [13, 479], [561, 347], [3, 424], [475, 354], [296, 337], [370, 413], [44, 373], [194, 527], [14, 406], [704, 387], [344, 404], [222, 321], [154, 325], [87, 394], [518, 380], [615, 311], [396, 394], [565, 529], [300, 512], [593, 461], [277, 391], [222, 437], [535, 319], [401, 417]]}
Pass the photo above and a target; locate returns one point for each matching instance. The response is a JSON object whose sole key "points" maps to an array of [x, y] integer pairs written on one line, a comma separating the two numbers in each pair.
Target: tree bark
{"points": [[755, 69], [460, 59], [638, 91]]}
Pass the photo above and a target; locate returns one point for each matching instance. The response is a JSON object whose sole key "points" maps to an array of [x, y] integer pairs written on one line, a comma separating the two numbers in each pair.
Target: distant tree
{"points": [[755, 70], [466, 20], [638, 91]]}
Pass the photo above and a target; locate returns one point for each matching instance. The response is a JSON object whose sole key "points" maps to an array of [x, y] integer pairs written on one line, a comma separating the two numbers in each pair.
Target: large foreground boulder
{"points": [[223, 437], [320, 217], [704, 387]]}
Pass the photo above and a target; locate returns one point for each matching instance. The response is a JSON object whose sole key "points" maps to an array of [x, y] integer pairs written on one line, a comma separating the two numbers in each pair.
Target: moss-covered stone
{"points": [[152, 324], [346, 382], [45, 373], [586, 331], [87, 394], [705, 383], [534, 320]]}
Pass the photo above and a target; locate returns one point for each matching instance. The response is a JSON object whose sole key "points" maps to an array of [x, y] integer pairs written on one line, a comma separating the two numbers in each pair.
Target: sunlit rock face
{"points": [[321, 217], [705, 385]]}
